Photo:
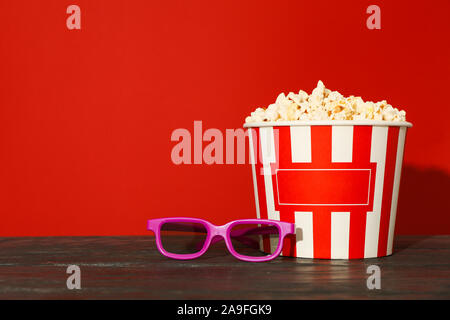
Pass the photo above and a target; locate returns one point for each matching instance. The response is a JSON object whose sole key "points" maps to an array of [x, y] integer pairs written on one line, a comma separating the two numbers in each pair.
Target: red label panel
{"points": [[323, 186]]}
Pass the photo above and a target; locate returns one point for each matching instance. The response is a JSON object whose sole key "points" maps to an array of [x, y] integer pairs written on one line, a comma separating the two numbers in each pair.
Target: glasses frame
{"points": [[216, 233]]}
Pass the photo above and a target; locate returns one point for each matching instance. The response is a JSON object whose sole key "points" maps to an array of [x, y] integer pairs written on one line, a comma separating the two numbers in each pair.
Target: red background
{"points": [[86, 115]]}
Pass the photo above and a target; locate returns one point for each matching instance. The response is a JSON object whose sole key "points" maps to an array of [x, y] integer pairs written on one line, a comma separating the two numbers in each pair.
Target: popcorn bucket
{"points": [[338, 181]]}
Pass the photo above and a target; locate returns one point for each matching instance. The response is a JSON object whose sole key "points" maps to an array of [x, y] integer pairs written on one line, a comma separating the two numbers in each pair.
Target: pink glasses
{"points": [[249, 240]]}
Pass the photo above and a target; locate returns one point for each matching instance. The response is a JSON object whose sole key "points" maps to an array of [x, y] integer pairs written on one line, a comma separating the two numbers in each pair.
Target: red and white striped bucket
{"points": [[338, 181]]}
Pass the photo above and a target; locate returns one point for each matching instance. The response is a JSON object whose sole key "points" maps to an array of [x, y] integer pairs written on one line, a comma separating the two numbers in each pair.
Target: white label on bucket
{"points": [[323, 193], [304, 234], [341, 143], [398, 170], [378, 155], [340, 235], [301, 144]]}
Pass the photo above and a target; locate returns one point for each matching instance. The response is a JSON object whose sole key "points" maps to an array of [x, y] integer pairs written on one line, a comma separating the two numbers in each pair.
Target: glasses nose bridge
{"points": [[219, 231]]}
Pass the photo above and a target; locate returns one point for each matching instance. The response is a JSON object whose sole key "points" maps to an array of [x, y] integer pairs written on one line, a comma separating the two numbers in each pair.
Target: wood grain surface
{"points": [[132, 268]]}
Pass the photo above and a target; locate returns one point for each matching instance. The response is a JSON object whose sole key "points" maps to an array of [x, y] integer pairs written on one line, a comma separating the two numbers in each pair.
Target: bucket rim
{"points": [[377, 123]]}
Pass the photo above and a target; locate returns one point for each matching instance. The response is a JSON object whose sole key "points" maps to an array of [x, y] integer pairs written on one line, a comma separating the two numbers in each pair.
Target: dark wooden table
{"points": [[132, 268]]}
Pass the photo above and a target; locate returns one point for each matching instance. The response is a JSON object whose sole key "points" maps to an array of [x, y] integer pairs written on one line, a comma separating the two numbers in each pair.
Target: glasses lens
{"points": [[183, 237], [255, 240]]}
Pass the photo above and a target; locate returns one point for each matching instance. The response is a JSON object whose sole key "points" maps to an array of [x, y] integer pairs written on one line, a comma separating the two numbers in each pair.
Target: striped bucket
{"points": [[338, 181]]}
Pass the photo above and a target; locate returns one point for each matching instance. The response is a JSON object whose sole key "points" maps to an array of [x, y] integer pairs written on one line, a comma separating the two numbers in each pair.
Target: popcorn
{"points": [[324, 104]]}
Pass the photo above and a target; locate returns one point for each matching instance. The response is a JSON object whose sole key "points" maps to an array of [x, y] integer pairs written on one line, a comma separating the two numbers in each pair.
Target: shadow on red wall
{"points": [[424, 206]]}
